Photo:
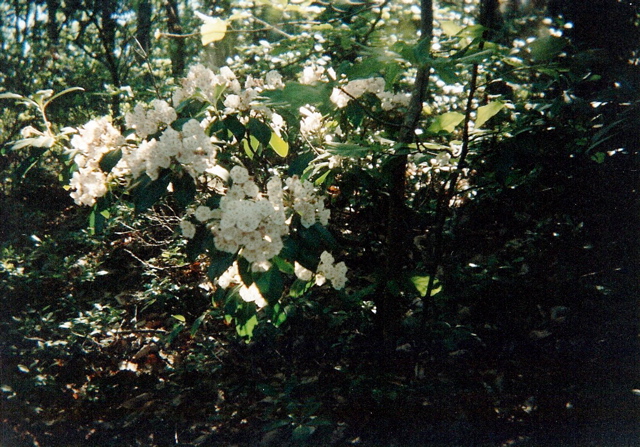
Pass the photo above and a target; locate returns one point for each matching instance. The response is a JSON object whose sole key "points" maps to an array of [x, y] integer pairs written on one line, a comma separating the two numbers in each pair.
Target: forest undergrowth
{"points": [[98, 348]]}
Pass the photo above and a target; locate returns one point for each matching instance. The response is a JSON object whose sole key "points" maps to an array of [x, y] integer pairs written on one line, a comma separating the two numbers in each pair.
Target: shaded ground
{"points": [[92, 358]]}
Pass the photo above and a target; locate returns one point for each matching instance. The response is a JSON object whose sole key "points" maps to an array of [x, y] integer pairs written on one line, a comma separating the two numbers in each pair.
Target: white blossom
{"points": [[302, 273], [252, 294], [146, 120], [188, 229], [311, 74], [328, 271], [203, 213], [93, 140], [311, 121], [273, 80]]}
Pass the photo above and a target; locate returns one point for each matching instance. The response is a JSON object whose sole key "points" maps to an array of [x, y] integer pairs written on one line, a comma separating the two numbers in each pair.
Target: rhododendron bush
{"points": [[207, 148], [248, 153]]}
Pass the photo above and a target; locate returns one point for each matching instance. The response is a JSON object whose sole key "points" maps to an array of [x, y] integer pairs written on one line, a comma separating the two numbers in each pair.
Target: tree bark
{"points": [[143, 28], [177, 45], [107, 31], [53, 33], [389, 308]]}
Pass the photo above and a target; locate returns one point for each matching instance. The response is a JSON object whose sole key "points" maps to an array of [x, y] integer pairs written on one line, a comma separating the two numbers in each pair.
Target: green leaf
{"points": [[320, 180], [244, 269], [280, 146], [405, 50], [300, 163], [251, 146], [299, 288], [317, 238], [279, 315], [64, 92], [109, 160], [302, 432], [196, 324], [42, 141], [283, 265], [96, 221], [547, 47], [392, 73], [175, 331], [473, 31], [246, 328], [180, 318], [348, 150], [446, 73], [184, 188], [486, 112], [8, 95], [297, 95], [450, 28], [422, 51], [446, 122], [260, 131], [476, 58], [233, 124], [355, 113], [41, 96], [270, 284], [99, 215], [148, 192], [368, 68], [421, 283], [598, 157], [220, 262]]}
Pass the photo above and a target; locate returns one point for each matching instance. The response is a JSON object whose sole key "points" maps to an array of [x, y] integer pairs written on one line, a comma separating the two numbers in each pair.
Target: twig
{"points": [[139, 331], [448, 193], [143, 262]]}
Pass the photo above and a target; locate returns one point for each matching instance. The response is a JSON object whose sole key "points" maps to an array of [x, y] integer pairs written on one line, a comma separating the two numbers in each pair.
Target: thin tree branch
{"points": [[448, 193]]}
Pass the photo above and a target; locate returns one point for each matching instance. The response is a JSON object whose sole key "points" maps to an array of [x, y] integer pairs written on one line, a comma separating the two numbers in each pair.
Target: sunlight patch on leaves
{"points": [[486, 112], [446, 122]]}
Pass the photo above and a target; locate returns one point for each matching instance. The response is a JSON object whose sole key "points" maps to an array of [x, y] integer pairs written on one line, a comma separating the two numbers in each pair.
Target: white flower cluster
{"points": [[311, 123], [201, 80], [328, 270], [247, 221], [305, 202], [301, 272], [311, 74], [390, 100], [242, 101], [252, 224], [146, 121], [358, 87], [191, 147], [93, 141], [188, 229], [245, 100], [210, 86], [249, 294]]}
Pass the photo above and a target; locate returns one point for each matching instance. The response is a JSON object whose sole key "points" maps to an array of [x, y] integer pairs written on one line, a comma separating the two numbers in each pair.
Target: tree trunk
{"points": [[389, 308], [177, 44], [52, 23], [143, 29], [108, 36]]}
